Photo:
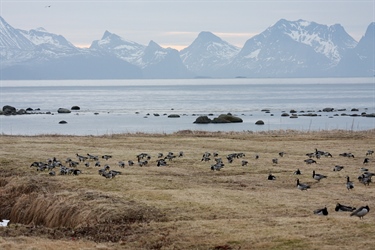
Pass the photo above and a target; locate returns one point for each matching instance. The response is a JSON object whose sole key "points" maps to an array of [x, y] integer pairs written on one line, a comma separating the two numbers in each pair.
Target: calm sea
{"points": [[122, 106]]}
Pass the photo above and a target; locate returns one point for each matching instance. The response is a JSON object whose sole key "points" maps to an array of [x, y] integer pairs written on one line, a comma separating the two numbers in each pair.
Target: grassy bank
{"points": [[186, 205]]}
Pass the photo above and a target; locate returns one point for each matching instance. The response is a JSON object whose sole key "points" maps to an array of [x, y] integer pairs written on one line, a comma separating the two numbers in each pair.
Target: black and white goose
{"points": [[271, 177], [318, 177], [302, 186], [349, 184], [321, 211], [360, 212], [343, 208], [297, 172], [338, 168]]}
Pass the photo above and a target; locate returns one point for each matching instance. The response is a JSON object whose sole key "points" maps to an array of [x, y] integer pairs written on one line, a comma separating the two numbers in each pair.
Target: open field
{"points": [[186, 205]]}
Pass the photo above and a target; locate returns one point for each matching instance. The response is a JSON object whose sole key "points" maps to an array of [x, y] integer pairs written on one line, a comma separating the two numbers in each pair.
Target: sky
{"points": [[177, 23]]}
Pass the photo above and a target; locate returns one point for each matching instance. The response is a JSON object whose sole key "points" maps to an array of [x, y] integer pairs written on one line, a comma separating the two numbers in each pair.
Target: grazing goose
{"points": [[274, 161], [310, 161], [338, 168], [130, 163], [369, 152], [87, 164], [365, 179], [360, 212], [106, 157], [349, 184], [321, 211], [281, 154], [302, 186], [343, 208], [217, 166], [121, 164], [271, 177], [297, 172], [366, 161], [160, 155], [244, 163], [318, 177]]}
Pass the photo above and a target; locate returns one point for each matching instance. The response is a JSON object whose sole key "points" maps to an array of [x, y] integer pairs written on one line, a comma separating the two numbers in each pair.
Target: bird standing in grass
{"points": [[302, 186], [318, 177], [360, 212], [349, 184]]}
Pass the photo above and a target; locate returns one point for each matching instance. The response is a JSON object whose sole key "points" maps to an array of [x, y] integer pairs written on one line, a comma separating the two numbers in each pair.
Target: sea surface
{"points": [[131, 106]]}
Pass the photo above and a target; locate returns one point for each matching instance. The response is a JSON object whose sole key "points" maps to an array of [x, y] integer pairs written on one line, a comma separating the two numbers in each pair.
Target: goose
{"points": [[360, 212], [160, 155], [302, 186], [318, 177], [161, 162], [106, 157], [369, 152], [130, 163], [121, 164], [271, 177], [181, 154], [321, 211], [366, 161], [217, 166], [338, 168], [4, 223], [310, 161], [274, 161], [87, 164], [244, 163], [349, 184], [256, 157], [343, 208], [365, 179], [297, 172], [281, 154]]}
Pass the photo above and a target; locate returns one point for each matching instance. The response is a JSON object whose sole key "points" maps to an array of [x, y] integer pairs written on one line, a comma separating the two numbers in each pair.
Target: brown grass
{"points": [[185, 205]]}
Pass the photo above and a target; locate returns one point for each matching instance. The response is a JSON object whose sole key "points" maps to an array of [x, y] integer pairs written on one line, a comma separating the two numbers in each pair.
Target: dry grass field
{"points": [[186, 205]]}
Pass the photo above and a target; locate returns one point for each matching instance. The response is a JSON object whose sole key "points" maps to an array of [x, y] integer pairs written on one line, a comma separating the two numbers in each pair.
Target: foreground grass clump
{"points": [[186, 205]]}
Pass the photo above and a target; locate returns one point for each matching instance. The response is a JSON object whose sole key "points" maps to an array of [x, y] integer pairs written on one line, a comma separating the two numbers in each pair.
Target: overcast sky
{"points": [[177, 23]]}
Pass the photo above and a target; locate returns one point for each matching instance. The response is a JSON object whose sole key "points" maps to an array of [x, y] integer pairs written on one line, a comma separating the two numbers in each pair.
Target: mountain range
{"points": [[286, 49]]}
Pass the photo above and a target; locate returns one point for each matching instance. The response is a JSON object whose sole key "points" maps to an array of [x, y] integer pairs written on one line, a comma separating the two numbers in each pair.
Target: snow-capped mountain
{"points": [[287, 49], [128, 51], [155, 61], [207, 54], [292, 48], [48, 41]]}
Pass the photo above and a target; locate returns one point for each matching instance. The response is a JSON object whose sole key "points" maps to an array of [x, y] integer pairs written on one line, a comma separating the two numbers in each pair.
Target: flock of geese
{"points": [[144, 159]]}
